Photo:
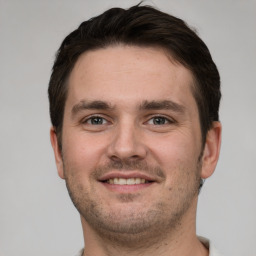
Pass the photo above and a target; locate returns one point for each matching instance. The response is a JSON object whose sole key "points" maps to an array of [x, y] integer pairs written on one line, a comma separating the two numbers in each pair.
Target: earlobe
{"points": [[211, 150], [57, 153]]}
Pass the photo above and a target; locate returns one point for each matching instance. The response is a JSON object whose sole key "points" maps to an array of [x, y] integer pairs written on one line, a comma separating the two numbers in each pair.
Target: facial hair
{"points": [[127, 225]]}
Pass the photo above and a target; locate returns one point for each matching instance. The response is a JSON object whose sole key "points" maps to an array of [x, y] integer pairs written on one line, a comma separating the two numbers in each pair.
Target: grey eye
{"points": [[159, 120], [96, 120]]}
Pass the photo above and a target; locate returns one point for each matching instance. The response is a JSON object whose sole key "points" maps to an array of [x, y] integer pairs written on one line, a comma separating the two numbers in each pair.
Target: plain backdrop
{"points": [[36, 214]]}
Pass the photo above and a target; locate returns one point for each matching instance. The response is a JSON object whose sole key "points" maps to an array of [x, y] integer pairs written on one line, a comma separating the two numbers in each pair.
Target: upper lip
{"points": [[127, 175]]}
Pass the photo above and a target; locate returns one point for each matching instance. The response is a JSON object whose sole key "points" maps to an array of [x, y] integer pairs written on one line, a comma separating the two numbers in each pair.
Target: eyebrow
{"points": [[84, 105], [146, 105], [164, 104]]}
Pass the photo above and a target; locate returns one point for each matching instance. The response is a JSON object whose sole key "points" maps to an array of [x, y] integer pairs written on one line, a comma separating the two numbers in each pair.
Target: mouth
{"points": [[129, 181]]}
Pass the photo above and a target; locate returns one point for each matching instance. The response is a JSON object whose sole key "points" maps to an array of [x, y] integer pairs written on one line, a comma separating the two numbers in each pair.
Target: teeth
{"points": [[121, 182], [131, 181], [138, 180]]}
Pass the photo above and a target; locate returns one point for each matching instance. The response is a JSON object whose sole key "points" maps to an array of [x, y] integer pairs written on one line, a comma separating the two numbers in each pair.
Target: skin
{"points": [[130, 112]]}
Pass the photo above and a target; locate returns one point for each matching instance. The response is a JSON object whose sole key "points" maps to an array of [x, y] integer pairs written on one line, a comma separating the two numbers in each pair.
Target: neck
{"points": [[178, 241]]}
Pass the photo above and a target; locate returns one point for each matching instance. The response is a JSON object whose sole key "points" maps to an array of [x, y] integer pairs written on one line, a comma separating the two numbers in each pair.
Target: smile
{"points": [[129, 181]]}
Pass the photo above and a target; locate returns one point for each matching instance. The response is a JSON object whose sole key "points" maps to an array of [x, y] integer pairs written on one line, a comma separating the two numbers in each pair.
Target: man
{"points": [[134, 98]]}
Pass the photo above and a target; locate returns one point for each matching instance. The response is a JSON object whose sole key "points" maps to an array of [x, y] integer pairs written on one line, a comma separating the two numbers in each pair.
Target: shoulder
{"points": [[80, 253], [208, 244]]}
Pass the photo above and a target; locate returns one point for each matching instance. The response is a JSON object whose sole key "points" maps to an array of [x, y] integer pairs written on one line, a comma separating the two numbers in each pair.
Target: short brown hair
{"points": [[140, 26]]}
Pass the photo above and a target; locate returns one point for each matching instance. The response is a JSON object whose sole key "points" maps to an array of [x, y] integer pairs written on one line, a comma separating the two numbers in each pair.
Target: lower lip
{"points": [[127, 188]]}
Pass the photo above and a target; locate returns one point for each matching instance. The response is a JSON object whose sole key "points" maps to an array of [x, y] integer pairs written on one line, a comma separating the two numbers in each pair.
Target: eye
{"points": [[159, 120], [95, 120]]}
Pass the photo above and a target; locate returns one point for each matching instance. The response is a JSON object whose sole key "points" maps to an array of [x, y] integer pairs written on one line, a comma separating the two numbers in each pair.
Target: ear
{"points": [[211, 150], [57, 153]]}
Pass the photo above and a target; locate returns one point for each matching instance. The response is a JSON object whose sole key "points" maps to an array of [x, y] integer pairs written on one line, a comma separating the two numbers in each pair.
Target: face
{"points": [[131, 142]]}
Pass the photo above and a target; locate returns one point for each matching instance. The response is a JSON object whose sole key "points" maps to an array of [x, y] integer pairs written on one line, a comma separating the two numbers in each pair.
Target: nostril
{"points": [[115, 159], [122, 160]]}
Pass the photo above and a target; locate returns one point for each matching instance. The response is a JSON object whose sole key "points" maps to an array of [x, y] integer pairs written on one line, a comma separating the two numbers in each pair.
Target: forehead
{"points": [[128, 74]]}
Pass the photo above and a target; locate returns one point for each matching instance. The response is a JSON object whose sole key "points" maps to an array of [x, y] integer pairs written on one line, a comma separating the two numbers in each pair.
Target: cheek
{"points": [[174, 149], [82, 153], [178, 156]]}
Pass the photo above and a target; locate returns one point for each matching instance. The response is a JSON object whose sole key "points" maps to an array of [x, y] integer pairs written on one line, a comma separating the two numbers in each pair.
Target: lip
{"points": [[127, 188], [127, 175]]}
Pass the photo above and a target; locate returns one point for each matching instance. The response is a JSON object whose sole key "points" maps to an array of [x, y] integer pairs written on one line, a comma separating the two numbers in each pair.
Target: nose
{"points": [[127, 143]]}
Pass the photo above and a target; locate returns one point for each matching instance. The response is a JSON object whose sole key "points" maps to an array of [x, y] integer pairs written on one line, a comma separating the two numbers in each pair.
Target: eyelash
{"points": [[167, 120], [85, 121], [104, 120]]}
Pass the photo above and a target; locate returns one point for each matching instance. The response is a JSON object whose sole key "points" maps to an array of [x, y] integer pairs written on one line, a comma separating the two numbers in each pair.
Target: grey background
{"points": [[36, 215]]}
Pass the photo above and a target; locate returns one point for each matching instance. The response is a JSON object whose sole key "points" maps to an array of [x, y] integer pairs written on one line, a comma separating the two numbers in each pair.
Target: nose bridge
{"points": [[127, 142]]}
